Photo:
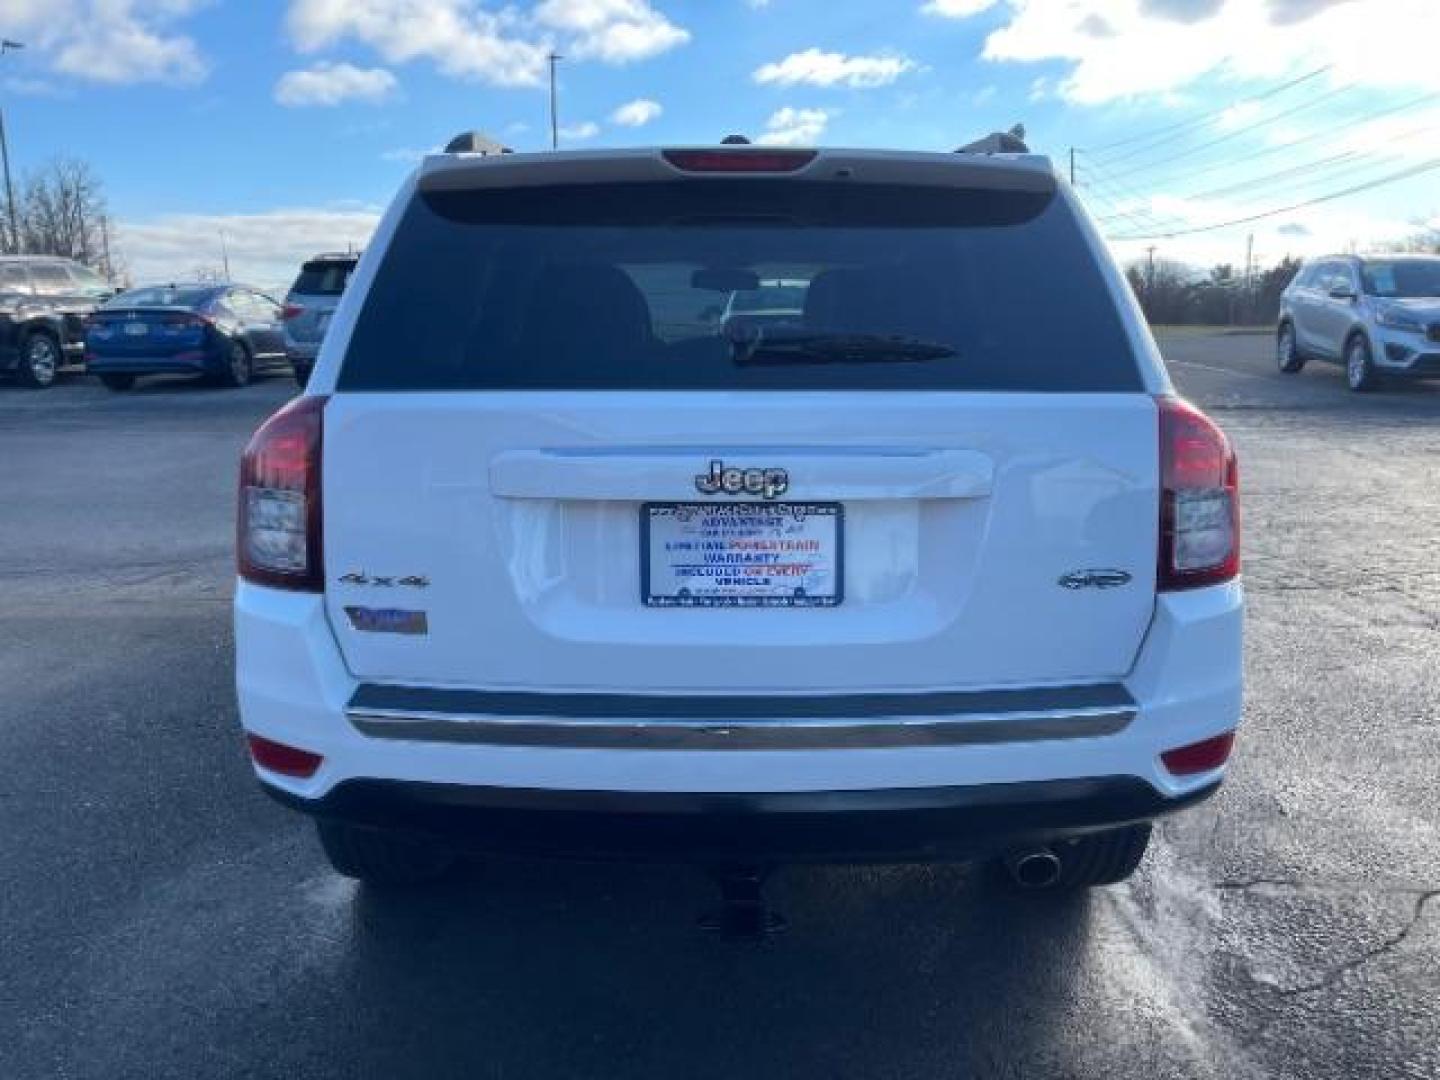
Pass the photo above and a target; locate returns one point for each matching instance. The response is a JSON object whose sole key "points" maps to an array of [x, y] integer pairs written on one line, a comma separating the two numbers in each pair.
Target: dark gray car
{"points": [[309, 305], [43, 303]]}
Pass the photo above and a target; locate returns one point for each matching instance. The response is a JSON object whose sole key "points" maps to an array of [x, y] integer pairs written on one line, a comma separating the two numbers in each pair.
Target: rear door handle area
{"points": [[668, 473]]}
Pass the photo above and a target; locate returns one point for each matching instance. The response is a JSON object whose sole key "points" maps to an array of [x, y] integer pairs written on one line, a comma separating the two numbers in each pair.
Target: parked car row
{"points": [[57, 315]]}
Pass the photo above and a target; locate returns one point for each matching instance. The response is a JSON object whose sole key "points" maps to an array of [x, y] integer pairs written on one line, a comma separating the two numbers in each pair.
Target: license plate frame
{"points": [[800, 515]]}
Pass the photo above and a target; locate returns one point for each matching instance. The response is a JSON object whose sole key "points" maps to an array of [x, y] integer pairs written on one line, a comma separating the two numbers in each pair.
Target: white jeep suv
{"points": [[544, 560]]}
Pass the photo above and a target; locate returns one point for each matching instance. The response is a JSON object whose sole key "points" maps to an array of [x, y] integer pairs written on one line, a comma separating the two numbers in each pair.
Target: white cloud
{"points": [[109, 41], [463, 40], [480, 42], [636, 113], [795, 127], [818, 68], [264, 248], [615, 31], [1237, 116], [585, 129], [407, 155], [35, 88], [956, 9], [1118, 48], [332, 84]]}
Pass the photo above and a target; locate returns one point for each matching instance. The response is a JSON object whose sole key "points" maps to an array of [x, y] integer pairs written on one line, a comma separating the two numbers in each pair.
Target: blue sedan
{"points": [[227, 332]]}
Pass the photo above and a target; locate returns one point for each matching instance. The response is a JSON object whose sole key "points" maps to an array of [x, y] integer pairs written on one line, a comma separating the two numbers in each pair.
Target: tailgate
{"points": [[517, 524]]}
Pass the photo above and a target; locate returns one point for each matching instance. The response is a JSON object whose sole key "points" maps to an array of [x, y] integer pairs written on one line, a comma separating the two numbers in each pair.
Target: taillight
{"points": [[278, 526], [286, 760], [289, 311], [1199, 500], [739, 161], [1199, 757]]}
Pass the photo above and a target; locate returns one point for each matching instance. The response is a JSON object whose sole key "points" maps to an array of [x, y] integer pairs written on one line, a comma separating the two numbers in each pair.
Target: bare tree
{"points": [[61, 209], [1425, 239]]}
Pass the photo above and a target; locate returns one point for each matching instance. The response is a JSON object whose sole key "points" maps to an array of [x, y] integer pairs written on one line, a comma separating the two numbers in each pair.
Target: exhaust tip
{"points": [[1038, 868]]}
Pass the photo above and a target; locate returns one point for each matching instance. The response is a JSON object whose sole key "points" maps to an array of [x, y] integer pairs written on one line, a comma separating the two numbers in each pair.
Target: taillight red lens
{"points": [[278, 535], [289, 311], [1199, 500], [739, 161], [286, 760], [1199, 757]]}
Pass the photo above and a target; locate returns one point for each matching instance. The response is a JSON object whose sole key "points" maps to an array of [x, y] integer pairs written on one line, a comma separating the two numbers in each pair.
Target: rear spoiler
{"points": [[1011, 172]]}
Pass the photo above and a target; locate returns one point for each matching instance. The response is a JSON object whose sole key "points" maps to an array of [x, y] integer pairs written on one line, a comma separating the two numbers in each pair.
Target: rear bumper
{"points": [[151, 365], [484, 764], [886, 825]]}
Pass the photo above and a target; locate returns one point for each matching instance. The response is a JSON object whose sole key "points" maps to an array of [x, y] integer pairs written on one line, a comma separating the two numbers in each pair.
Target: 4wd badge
{"points": [[767, 483]]}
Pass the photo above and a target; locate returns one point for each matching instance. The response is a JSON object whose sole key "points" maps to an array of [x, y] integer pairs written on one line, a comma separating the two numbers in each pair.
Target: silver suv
{"points": [[1379, 315], [309, 305]]}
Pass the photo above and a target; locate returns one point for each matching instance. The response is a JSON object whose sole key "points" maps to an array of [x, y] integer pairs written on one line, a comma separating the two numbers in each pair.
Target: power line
{"points": [[1329, 176], [1203, 118], [1323, 133], [1137, 218], [1111, 195], [1229, 136], [1262, 181], [1405, 174]]}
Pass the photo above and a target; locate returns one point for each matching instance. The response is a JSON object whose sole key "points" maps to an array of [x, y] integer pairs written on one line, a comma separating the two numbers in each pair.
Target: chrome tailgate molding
{"points": [[749, 722]]}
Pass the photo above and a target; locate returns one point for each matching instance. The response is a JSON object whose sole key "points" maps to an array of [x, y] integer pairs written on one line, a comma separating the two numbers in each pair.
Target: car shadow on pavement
{"points": [[548, 969]]}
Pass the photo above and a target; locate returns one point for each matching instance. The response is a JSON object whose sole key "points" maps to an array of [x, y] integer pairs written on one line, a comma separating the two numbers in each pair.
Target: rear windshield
{"points": [[611, 287], [771, 296], [162, 296], [326, 278]]}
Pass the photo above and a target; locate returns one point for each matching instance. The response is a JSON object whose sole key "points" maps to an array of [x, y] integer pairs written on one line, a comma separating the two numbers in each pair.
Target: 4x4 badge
{"points": [[1094, 579], [767, 483]]}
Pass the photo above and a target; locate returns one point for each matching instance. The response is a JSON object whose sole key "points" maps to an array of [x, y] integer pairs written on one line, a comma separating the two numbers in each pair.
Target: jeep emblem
{"points": [[767, 483]]}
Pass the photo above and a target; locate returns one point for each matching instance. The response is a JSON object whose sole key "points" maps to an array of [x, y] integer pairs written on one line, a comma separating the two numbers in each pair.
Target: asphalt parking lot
{"points": [[160, 918]]}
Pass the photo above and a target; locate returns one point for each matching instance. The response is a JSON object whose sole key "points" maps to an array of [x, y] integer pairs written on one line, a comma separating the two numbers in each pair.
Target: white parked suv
{"points": [[943, 571]]}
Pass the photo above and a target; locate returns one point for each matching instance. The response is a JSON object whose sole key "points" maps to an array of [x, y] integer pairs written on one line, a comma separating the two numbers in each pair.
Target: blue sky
{"points": [[288, 123]]}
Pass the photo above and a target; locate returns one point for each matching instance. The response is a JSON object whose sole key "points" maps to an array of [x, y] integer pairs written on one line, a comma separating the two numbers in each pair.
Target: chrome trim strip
{"points": [[712, 734], [727, 708]]}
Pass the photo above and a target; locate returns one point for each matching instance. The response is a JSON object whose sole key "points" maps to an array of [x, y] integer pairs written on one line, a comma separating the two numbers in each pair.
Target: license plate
{"points": [[138, 329], [741, 554], [322, 321]]}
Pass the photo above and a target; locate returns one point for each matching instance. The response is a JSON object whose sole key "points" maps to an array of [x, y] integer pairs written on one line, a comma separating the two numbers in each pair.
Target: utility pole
{"points": [[6, 45], [225, 254], [1072, 166], [1249, 264], [554, 58], [105, 247]]}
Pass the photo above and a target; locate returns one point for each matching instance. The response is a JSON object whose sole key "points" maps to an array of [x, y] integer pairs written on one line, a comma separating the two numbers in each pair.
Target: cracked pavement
{"points": [[159, 917]]}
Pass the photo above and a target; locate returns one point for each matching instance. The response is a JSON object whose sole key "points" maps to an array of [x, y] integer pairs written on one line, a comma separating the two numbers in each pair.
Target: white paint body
{"points": [[522, 510]]}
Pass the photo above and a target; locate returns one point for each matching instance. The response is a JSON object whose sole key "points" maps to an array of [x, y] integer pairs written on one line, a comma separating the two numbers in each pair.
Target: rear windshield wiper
{"points": [[837, 348]]}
